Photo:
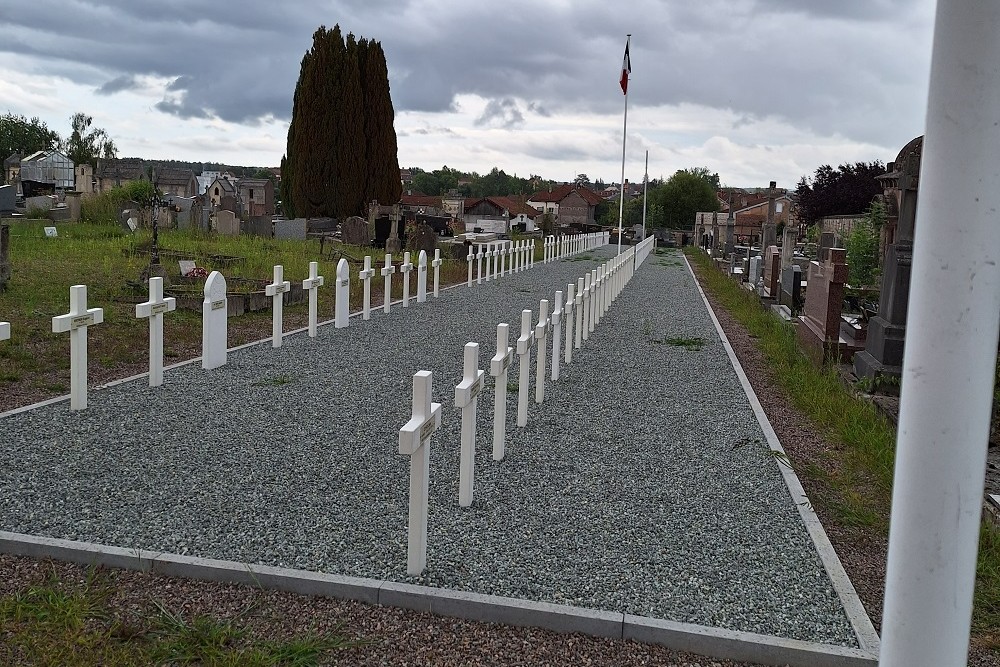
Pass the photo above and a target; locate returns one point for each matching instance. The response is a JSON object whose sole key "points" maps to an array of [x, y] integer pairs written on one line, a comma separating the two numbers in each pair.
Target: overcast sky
{"points": [[755, 90]]}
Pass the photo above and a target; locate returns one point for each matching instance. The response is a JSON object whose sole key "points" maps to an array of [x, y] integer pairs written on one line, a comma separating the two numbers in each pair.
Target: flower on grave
{"points": [[197, 272]]}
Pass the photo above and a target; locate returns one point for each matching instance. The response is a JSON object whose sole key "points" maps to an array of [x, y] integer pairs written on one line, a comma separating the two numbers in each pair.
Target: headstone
{"points": [[392, 243], [791, 289], [154, 309], [556, 334], [772, 272], [787, 246], [531, 254], [4, 330], [186, 266], [404, 269], [768, 230], [342, 317], [423, 238], [756, 270], [214, 322], [579, 308], [8, 197], [570, 313], [355, 231], [523, 364], [541, 338], [289, 230], [436, 263], [226, 223], [495, 253], [499, 365], [387, 272], [827, 240], [365, 275], [276, 291], [598, 304], [469, 258], [824, 303], [76, 322], [51, 232], [312, 285], [422, 277], [414, 441], [466, 398]]}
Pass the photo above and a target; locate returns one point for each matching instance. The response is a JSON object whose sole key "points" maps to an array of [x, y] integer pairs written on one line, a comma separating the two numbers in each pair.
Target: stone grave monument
{"points": [[820, 330], [768, 232], [790, 292], [423, 238], [355, 231], [771, 273]]}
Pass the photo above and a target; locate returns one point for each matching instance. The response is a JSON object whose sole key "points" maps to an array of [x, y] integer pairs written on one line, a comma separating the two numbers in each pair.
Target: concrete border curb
{"points": [[864, 630]]}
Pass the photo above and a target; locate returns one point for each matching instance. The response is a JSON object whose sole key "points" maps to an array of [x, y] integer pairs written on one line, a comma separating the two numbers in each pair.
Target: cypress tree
{"points": [[351, 188], [380, 135]]}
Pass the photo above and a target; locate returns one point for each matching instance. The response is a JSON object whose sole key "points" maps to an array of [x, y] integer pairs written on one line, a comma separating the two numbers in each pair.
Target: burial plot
{"points": [[466, 399], [414, 441], [276, 291], [820, 330], [387, 272], [499, 365], [342, 316], [541, 336], [214, 324], [312, 285], [154, 310], [355, 231], [365, 275], [76, 322], [790, 296], [524, 364]]}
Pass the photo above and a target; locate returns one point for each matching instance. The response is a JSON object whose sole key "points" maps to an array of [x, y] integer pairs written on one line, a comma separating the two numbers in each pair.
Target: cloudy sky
{"points": [[756, 90]]}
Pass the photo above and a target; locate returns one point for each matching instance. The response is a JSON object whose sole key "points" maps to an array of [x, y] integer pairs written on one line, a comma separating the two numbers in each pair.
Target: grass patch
{"points": [[60, 623], [279, 381], [693, 344]]}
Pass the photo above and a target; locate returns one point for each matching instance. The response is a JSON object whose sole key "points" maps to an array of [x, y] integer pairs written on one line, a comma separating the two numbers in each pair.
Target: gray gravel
{"points": [[642, 485]]}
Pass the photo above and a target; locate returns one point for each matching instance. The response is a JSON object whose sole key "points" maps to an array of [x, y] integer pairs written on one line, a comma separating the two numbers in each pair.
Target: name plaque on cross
{"points": [[414, 441], [158, 308], [217, 305], [76, 322], [426, 429], [81, 321]]}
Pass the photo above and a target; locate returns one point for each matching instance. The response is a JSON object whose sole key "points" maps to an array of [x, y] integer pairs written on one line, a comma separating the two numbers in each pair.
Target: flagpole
{"points": [[645, 189], [621, 198]]}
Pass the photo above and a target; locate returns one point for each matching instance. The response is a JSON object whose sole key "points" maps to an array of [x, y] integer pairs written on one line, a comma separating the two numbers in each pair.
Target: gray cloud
{"points": [[835, 68]]}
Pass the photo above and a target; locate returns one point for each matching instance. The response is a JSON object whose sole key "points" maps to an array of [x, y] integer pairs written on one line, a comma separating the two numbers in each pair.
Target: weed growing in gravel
{"points": [[693, 344], [274, 382]]}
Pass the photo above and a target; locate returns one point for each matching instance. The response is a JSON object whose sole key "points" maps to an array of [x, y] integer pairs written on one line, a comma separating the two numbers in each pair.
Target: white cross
{"points": [[499, 365], [593, 300], [531, 254], [342, 294], [541, 339], [365, 275], [487, 255], [387, 271], [276, 291], [436, 263], [214, 322], [422, 277], [503, 259], [469, 258], [4, 330], [511, 257], [570, 314], [466, 398], [479, 270], [154, 309], [523, 362], [587, 306], [598, 294], [414, 441], [496, 259], [312, 285], [556, 334], [76, 322], [405, 269]]}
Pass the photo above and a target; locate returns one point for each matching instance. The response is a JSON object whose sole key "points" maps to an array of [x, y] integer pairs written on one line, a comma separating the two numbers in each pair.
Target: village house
{"points": [[573, 205], [175, 181], [256, 196], [115, 172], [221, 193]]}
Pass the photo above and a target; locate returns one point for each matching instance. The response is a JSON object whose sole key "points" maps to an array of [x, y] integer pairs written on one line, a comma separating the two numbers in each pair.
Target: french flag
{"points": [[626, 70]]}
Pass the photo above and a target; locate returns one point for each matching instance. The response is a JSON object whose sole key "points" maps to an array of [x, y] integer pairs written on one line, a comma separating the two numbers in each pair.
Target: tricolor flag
{"points": [[626, 70]]}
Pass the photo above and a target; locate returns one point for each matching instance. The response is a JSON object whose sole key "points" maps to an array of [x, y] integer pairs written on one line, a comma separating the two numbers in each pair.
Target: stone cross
{"points": [[570, 302], [436, 263], [579, 307], [414, 441], [4, 330], [469, 259], [387, 271], [499, 365], [365, 275], [154, 309], [214, 322], [422, 277], [312, 285], [466, 398], [479, 260], [76, 322], [523, 364], [541, 339], [556, 334], [342, 292], [276, 291], [405, 268]]}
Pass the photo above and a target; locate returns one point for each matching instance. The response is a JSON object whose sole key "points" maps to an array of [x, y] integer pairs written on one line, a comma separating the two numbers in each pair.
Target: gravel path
{"points": [[643, 484]]}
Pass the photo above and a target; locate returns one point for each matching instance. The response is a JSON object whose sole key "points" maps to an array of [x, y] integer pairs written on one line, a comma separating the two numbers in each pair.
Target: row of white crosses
{"points": [[584, 305], [496, 259], [557, 247]]}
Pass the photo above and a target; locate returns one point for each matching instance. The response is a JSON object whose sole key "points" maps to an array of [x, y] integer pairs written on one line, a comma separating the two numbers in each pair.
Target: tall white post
{"points": [[436, 263], [580, 307], [312, 285], [404, 271], [154, 309], [365, 275], [387, 271], [466, 398], [524, 367], [469, 259], [556, 334], [214, 322], [422, 277], [276, 291], [342, 315], [541, 339], [951, 346], [76, 322], [479, 265], [414, 441], [570, 314], [499, 365]]}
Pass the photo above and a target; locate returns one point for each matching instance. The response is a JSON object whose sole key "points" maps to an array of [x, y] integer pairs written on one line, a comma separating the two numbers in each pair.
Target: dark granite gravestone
{"points": [[354, 231], [772, 273], [883, 353], [7, 198], [423, 238], [821, 318], [791, 289]]}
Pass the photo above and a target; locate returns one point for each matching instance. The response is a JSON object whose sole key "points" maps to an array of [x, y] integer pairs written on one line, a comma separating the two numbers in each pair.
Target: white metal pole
{"points": [[951, 347], [645, 189], [621, 197]]}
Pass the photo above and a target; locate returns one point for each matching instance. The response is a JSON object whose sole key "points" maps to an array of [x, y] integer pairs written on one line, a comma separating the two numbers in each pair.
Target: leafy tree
{"points": [[85, 144], [23, 136], [680, 198], [862, 246], [846, 190], [582, 179], [707, 175]]}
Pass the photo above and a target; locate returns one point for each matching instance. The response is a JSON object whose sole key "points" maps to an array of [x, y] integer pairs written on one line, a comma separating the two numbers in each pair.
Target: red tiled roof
{"points": [[420, 200], [557, 194]]}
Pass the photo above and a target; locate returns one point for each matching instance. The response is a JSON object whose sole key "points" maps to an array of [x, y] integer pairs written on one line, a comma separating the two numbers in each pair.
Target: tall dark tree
{"points": [[380, 135], [352, 169], [846, 190]]}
